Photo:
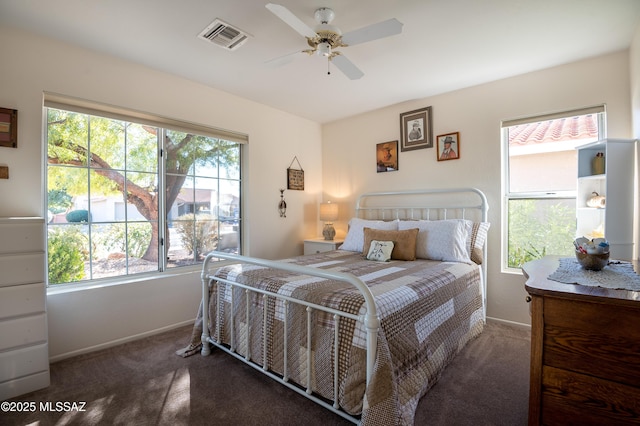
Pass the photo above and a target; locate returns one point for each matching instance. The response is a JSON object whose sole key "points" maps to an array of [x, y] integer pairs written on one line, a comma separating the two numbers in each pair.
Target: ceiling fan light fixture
{"points": [[324, 49]]}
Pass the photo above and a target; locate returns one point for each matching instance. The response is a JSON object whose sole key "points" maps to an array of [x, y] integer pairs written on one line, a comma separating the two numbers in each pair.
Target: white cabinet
{"points": [[614, 220], [24, 351], [320, 245]]}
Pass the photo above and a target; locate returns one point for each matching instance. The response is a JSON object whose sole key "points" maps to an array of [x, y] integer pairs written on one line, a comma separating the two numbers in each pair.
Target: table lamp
{"points": [[328, 213]]}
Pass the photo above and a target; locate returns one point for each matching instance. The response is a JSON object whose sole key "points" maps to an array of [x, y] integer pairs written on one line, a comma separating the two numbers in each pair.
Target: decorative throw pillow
{"points": [[404, 242], [380, 251], [354, 239], [444, 240], [477, 238]]}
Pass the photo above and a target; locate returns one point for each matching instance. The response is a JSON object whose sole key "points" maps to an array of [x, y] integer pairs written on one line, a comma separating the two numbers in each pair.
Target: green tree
{"points": [[198, 236], [539, 228], [59, 200], [99, 143], [67, 254]]}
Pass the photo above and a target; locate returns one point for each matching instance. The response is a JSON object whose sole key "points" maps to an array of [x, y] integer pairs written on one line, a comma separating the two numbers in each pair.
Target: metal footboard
{"points": [[369, 319]]}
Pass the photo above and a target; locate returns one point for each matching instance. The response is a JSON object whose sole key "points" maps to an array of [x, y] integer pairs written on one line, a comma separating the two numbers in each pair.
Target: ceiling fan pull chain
{"points": [[328, 66]]}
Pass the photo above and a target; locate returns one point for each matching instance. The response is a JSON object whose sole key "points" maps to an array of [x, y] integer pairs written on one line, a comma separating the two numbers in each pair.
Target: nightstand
{"points": [[320, 245]]}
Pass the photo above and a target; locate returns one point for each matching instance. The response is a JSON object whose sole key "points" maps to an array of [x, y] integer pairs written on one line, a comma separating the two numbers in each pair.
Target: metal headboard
{"points": [[428, 204]]}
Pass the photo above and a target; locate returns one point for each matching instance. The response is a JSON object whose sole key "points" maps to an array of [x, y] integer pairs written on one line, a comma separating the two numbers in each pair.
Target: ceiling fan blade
{"points": [[373, 32], [290, 19], [282, 60], [347, 67]]}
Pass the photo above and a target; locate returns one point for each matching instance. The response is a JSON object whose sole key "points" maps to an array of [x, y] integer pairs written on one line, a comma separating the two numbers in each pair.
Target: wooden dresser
{"points": [[585, 351]]}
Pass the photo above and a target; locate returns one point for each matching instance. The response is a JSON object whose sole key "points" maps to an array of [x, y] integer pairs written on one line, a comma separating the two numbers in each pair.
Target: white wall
{"points": [[634, 71], [86, 319], [476, 112], [338, 159]]}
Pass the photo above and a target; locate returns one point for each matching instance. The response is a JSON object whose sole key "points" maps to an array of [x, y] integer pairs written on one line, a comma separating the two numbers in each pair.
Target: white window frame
{"points": [[62, 102], [506, 195]]}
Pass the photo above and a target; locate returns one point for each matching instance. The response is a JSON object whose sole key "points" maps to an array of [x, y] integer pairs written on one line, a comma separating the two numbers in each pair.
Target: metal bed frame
{"points": [[367, 208]]}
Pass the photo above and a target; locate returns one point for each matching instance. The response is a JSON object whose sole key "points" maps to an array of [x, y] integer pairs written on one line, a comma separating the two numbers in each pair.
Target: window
{"points": [[129, 195], [539, 181]]}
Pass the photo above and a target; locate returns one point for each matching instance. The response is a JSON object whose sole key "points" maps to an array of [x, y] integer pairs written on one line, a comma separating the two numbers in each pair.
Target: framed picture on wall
{"points": [[295, 177], [448, 146], [9, 127], [387, 156], [415, 129]]}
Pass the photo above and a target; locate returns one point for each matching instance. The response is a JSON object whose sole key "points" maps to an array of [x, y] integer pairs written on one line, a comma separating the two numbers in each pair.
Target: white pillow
{"points": [[476, 237], [444, 240], [354, 241], [380, 251]]}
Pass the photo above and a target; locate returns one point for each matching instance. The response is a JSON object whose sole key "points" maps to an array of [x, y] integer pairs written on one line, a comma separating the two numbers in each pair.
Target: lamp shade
{"points": [[328, 212]]}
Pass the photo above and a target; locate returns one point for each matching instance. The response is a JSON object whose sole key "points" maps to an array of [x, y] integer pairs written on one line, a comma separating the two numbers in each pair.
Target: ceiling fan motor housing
{"points": [[333, 38], [324, 15]]}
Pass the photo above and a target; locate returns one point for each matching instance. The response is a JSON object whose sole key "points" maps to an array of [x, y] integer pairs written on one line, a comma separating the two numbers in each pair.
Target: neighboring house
{"points": [[112, 209], [532, 139]]}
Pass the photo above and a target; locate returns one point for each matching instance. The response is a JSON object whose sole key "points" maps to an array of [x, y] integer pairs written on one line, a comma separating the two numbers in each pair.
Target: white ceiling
{"points": [[445, 44]]}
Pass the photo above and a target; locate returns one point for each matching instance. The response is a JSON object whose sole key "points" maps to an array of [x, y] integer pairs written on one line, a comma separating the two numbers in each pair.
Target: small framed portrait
{"points": [[415, 129], [387, 156], [448, 146], [9, 127]]}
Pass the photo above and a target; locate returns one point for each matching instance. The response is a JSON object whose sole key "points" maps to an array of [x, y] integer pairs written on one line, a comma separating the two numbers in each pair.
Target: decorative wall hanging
{"points": [[415, 129], [448, 146], [9, 127], [387, 156], [295, 177], [282, 205]]}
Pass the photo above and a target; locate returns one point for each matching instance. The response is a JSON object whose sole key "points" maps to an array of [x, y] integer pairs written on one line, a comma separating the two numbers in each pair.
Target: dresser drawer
{"points": [[321, 246], [21, 235], [570, 398], [24, 268], [22, 300], [23, 331], [23, 361], [593, 338]]}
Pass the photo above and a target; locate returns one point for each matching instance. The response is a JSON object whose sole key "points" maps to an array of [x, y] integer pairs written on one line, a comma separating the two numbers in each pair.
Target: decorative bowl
{"points": [[592, 262]]}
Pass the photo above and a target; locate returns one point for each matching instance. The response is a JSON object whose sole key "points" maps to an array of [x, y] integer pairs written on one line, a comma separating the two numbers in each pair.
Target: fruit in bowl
{"points": [[592, 261]]}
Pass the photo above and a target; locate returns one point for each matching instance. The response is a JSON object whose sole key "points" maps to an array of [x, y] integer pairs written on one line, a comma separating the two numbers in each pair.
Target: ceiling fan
{"points": [[326, 37]]}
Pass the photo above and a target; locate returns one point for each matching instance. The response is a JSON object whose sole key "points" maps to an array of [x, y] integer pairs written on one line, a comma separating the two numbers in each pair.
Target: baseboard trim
{"points": [[511, 323], [138, 336], [120, 341]]}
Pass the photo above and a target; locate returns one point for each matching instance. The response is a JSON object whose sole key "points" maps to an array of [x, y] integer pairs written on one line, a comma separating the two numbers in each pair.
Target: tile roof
{"points": [[558, 130]]}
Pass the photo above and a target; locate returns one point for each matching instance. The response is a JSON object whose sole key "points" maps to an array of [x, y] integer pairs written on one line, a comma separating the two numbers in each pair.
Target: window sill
{"points": [[122, 280]]}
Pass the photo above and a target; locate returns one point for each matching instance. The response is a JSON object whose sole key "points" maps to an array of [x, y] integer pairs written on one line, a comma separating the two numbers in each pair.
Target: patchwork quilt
{"points": [[428, 311]]}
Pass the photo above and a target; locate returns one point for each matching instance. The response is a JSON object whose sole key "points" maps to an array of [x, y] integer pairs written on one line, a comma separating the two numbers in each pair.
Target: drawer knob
{"points": [[528, 299]]}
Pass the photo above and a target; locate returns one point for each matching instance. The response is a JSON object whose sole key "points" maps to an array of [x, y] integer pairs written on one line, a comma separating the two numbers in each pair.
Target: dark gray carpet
{"points": [[144, 383]]}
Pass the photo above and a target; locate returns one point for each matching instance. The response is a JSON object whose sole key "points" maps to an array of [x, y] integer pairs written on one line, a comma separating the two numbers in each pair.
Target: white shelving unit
{"points": [[24, 349], [616, 184]]}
